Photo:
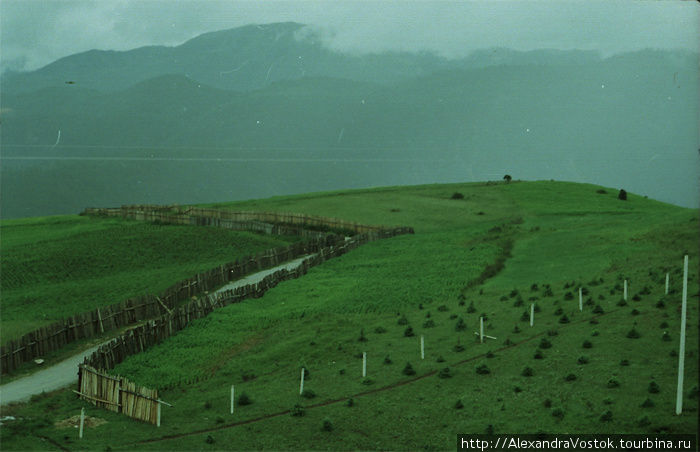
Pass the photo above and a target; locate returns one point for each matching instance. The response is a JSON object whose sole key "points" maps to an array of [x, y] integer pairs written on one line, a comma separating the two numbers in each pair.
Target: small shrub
{"points": [[570, 377], [643, 421], [461, 325], [648, 403], [653, 387], [458, 348], [403, 320], [568, 296], [380, 330], [459, 405], [442, 308], [210, 440], [517, 389], [519, 302], [633, 334], [527, 372], [483, 369], [327, 425], [600, 191], [598, 309], [663, 325], [507, 341], [298, 411], [513, 293], [595, 333], [634, 312], [387, 360], [489, 429], [457, 195], [666, 337], [207, 405], [593, 321], [608, 401], [613, 383], [219, 420], [429, 323], [244, 399], [636, 297], [503, 298], [308, 394], [445, 373], [408, 332], [622, 195], [587, 344], [564, 319], [625, 363], [341, 372], [545, 344], [350, 403], [461, 303], [525, 317], [558, 413], [606, 417], [622, 302], [547, 403], [362, 337], [534, 288], [453, 316], [408, 370], [583, 359], [559, 311], [367, 381], [548, 292], [660, 304], [516, 330], [552, 333], [538, 355], [440, 359]]}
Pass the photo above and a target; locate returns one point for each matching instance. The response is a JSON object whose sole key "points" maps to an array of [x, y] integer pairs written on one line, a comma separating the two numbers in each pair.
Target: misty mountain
{"points": [[139, 120]]}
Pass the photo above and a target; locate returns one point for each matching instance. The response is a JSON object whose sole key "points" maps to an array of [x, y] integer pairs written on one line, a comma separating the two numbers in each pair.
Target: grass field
{"points": [[54, 267], [490, 254]]}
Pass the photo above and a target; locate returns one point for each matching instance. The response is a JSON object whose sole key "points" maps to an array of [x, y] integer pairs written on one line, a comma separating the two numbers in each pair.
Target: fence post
{"points": [[82, 421]]}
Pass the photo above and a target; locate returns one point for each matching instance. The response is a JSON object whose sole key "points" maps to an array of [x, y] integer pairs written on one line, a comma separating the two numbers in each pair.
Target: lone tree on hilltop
{"points": [[507, 178], [622, 195]]}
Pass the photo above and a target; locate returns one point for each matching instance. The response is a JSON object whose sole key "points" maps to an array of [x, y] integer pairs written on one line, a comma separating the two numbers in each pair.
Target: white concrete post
{"points": [[532, 314], [158, 415], [580, 299], [422, 347], [481, 329], [82, 422], [666, 292], [681, 349], [625, 296], [364, 364], [301, 385]]}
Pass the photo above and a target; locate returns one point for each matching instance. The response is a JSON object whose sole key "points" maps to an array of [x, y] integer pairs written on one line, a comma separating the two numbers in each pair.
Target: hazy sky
{"points": [[36, 32]]}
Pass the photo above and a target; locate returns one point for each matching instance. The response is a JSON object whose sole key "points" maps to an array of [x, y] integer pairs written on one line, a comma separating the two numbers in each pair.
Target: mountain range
{"points": [[276, 94]]}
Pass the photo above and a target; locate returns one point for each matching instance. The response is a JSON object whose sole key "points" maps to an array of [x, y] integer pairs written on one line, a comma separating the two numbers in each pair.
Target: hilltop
{"points": [[484, 250]]}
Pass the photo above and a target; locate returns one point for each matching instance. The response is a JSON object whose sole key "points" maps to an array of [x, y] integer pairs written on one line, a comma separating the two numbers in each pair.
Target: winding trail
{"points": [[65, 372]]}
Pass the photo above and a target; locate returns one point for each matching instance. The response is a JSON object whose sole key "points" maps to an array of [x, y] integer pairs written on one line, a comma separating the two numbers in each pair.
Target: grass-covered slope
{"points": [[608, 369], [54, 267]]}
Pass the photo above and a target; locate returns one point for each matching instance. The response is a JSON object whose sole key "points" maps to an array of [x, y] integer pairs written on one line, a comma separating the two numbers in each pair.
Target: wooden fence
{"points": [[90, 324], [141, 338], [269, 222], [118, 394]]}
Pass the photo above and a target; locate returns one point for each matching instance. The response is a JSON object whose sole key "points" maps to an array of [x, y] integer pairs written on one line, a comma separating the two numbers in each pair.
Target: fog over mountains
{"points": [[267, 109]]}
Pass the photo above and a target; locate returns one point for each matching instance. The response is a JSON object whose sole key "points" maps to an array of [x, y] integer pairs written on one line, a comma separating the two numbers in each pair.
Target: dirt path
{"points": [[66, 372]]}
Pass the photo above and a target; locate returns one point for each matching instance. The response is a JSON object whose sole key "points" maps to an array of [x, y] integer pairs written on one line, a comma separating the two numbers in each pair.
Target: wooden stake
{"points": [[666, 292], [422, 347], [232, 397], [481, 329], [681, 349], [580, 299], [99, 317], [82, 422], [301, 385], [532, 314], [625, 295], [364, 364]]}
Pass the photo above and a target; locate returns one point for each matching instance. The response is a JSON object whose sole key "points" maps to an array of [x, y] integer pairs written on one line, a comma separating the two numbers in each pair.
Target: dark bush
{"points": [[483, 369], [558, 413], [600, 191], [516, 329], [622, 195], [552, 333], [458, 348], [613, 383], [663, 325], [545, 344], [457, 195], [564, 319], [587, 344], [547, 403], [559, 311], [517, 389], [350, 403], [633, 334], [362, 337], [327, 426], [625, 363], [570, 377], [445, 373], [528, 372], [666, 337], [460, 326], [598, 309], [380, 330], [643, 421], [298, 411], [440, 359], [408, 370], [490, 354], [387, 360], [539, 355], [568, 296], [459, 405], [308, 394], [367, 381], [518, 302], [606, 417], [408, 332], [210, 440], [403, 320], [583, 359], [429, 323], [653, 387], [622, 302], [648, 403], [244, 399]]}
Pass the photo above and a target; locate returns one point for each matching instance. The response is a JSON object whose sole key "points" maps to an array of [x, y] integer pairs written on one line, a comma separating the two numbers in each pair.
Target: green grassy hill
{"points": [[608, 369], [54, 267]]}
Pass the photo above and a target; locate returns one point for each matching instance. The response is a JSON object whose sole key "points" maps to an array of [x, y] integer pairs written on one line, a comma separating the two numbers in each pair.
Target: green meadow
{"points": [[54, 267], [490, 253]]}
